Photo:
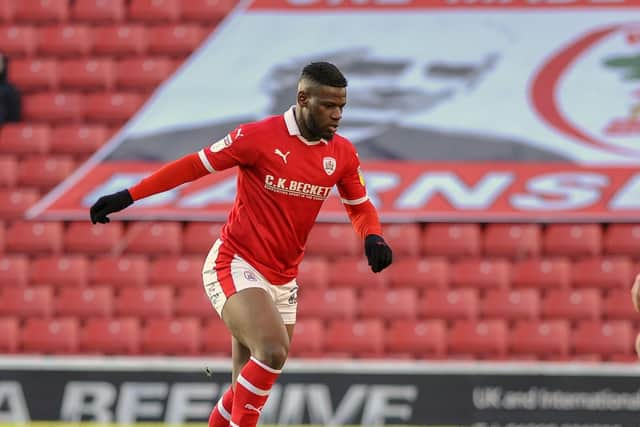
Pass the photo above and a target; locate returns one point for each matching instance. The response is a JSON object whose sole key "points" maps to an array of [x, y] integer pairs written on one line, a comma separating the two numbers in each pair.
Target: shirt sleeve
{"points": [[351, 186], [235, 149]]}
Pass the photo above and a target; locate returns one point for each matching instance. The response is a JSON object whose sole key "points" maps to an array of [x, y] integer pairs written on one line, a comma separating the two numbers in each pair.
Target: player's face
{"points": [[323, 111]]}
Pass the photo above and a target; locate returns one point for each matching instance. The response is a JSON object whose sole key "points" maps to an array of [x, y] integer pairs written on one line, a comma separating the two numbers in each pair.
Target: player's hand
{"points": [[378, 252], [108, 204], [635, 293]]}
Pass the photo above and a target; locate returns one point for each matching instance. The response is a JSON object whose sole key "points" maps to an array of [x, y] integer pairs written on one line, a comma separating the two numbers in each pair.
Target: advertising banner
{"points": [[434, 396], [450, 86]]}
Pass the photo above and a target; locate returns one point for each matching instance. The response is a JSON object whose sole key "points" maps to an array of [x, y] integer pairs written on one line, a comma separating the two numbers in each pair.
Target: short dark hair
{"points": [[324, 73]]}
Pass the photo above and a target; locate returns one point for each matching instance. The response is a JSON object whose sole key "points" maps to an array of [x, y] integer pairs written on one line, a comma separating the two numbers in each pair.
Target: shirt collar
{"points": [[294, 130]]}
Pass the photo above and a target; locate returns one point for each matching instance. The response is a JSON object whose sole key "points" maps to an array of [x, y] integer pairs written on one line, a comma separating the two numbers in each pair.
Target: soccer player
{"points": [[287, 166], [635, 299]]}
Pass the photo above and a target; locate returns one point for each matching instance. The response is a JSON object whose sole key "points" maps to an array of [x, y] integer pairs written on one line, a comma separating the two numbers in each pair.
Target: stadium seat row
{"points": [[163, 300], [527, 340], [314, 273], [456, 242], [152, 11], [77, 40], [139, 74], [30, 138], [41, 172]]}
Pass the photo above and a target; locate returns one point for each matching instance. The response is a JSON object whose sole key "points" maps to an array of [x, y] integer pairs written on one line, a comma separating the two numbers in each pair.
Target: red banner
{"points": [[402, 191]]}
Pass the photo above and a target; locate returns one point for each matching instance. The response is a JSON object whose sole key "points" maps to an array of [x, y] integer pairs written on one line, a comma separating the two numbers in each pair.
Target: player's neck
{"points": [[304, 131]]}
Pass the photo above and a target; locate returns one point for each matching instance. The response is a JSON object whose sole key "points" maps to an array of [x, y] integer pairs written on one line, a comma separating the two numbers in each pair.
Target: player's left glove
{"points": [[378, 252], [109, 204]]}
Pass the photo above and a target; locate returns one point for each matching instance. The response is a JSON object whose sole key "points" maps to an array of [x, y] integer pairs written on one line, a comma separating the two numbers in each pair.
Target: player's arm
{"points": [[635, 293], [232, 150], [364, 217]]}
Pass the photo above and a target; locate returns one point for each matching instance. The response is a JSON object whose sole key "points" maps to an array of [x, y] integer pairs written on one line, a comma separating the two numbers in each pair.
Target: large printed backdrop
{"points": [[528, 112]]}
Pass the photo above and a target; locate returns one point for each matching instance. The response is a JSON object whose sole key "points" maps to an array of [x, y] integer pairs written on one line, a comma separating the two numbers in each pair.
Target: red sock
{"points": [[252, 390], [221, 413]]}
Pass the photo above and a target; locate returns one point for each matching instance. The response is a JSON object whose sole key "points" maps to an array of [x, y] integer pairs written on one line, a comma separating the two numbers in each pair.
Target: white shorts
{"points": [[224, 275]]}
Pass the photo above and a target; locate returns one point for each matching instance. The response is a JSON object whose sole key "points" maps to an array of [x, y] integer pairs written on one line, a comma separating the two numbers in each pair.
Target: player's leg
{"points": [[253, 319]]}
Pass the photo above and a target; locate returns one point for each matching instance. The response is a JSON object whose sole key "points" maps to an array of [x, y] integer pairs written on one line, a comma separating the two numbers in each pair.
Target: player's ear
{"points": [[303, 98]]}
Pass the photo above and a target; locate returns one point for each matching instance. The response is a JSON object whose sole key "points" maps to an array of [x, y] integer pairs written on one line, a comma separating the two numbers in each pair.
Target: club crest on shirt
{"points": [[329, 165]]}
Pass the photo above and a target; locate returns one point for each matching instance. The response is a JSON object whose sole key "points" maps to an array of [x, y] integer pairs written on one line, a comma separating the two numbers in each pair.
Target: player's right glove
{"points": [[378, 252], [109, 204]]}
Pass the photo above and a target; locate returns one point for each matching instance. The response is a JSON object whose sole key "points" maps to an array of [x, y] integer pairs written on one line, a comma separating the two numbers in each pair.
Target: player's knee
{"points": [[273, 354]]}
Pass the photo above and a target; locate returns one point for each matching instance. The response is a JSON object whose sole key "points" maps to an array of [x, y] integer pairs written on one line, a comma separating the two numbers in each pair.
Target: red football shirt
{"points": [[283, 180]]}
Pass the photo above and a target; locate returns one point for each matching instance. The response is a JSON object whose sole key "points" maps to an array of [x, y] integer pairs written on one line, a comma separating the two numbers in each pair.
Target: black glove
{"points": [[108, 204], [378, 252]]}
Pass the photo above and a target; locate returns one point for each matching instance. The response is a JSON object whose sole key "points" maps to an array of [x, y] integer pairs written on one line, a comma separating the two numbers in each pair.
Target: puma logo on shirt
{"points": [[283, 155]]}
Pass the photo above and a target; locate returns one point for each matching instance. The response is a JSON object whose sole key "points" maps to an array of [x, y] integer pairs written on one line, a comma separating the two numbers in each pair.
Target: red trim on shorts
{"points": [[222, 265]]}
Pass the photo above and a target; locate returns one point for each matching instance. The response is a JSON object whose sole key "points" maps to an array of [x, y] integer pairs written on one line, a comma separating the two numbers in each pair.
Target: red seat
{"points": [[154, 238], [510, 304], [171, 336], [449, 304], [573, 240], [604, 338], [88, 74], [484, 339], [313, 272], [18, 40], [193, 302], [27, 302], [176, 270], [355, 272], [31, 74], [617, 305], [308, 339], [481, 273], [14, 271], [54, 107], [50, 336], [60, 270], [622, 239], [359, 337], [38, 11], [541, 273], [405, 239], [111, 336], [545, 339], [512, 240], [333, 240], [114, 107], [84, 237], [9, 330], [84, 303], [24, 138], [154, 11], [143, 73], [600, 272], [120, 40], [206, 11], [44, 172], [571, 304], [216, 338], [421, 338], [8, 171], [144, 303], [175, 40], [7, 10], [451, 240], [34, 237], [327, 303], [15, 201], [423, 273], [120, 271], [65, 40], [78, 139], [99, 11], [388, 304], [199, 237]]}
